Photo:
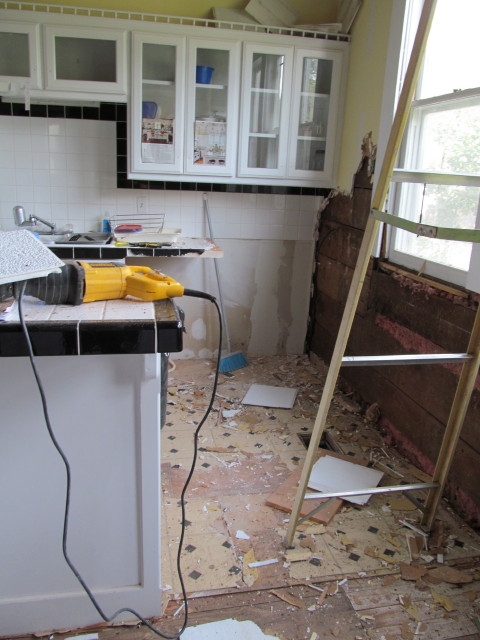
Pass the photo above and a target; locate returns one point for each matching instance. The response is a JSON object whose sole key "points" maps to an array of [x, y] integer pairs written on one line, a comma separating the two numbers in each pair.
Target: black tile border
{"points": [[117, 112], [164, 334]]}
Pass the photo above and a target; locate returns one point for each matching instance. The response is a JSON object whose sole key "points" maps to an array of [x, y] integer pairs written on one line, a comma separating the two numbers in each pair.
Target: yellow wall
{"points": [[368, 52], [310, 11]]}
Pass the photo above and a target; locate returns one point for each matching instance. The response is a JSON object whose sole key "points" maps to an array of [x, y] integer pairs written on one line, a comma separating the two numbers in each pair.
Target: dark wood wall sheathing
{"points": [[397, 315]]}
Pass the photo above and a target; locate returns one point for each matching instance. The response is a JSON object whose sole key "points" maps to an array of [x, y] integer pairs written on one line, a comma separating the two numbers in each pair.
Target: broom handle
{"points": [[217, 272]]}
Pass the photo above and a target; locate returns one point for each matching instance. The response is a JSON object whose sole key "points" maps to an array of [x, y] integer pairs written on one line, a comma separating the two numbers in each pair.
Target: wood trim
{"points": [[424, 280]]}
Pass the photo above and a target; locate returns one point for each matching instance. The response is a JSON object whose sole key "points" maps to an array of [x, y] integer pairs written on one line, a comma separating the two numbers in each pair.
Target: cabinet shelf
{"points": [[263, 135], [201, 85], [270, 91], [311, 94], [163, 83], [315, 138]]}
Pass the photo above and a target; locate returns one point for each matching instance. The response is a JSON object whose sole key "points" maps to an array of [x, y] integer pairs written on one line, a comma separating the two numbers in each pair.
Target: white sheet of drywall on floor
{"points": [[264, 395], [231, 629], [332, 474], [266, 287]]}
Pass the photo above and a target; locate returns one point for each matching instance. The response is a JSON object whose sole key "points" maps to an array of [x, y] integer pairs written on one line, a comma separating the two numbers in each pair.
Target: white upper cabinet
{"points": [[207, 103], [212, 107], [184, 106], [243, 108], [158, 104], [20, 61], [85, 59], [58, 57], [265, 110], [315, 108]]}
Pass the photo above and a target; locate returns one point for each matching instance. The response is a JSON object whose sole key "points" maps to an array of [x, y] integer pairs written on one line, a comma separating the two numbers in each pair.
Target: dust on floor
{"points": [[366, 574], [246, 453]]}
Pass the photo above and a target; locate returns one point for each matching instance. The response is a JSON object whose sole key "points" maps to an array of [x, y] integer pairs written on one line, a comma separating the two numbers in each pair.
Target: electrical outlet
{"points": [[141, 204]]}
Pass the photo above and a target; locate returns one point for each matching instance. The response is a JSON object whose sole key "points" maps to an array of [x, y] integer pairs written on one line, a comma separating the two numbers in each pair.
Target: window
{"points": [[438, 178]]}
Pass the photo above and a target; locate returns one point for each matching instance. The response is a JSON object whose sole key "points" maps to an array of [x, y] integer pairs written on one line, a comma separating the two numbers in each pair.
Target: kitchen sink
{"points": [[85, 238]]}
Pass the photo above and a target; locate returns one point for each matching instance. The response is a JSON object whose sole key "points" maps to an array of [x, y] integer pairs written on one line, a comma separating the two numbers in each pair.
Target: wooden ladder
{"points": [[470, 360]]}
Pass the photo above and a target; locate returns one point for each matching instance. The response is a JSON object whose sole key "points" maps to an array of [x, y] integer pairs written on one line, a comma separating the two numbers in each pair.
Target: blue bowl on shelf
{"points": [[204, 74], [149, 109]]}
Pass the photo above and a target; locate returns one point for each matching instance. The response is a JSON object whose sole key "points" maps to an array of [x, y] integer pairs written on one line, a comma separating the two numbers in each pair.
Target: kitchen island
{"points": [[101, 366]]}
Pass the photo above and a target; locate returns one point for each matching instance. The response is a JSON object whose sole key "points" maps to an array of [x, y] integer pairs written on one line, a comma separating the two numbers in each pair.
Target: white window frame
{"points": [[405, 15]]}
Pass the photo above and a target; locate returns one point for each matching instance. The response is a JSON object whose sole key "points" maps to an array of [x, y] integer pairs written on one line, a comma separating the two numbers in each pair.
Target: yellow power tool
{"points": [[80, 282]]}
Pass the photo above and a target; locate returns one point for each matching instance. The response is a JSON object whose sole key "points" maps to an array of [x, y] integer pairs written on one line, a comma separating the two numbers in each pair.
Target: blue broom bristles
{"points": [[233, 361]]}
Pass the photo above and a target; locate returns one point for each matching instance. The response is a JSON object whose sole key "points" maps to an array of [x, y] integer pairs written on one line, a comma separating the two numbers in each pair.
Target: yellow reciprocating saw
{"points": [[80, 282]]}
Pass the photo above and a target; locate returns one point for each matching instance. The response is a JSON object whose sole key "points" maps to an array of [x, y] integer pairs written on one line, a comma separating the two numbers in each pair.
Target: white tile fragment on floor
{"points": [[263, 395], [231, 629], [331, 474]]}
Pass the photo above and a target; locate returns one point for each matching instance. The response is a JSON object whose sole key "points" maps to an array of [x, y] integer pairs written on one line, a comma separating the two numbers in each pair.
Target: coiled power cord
{"points": [[19, 293]]}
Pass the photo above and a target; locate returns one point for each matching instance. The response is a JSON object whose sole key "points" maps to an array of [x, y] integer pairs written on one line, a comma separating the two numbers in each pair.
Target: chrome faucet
{"points": [[21, 220]]}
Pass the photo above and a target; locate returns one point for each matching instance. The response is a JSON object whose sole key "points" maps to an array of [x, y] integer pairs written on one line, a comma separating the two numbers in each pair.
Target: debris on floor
{"points": [[232, 629], [264, 395], [249, 463], [333, 473]]}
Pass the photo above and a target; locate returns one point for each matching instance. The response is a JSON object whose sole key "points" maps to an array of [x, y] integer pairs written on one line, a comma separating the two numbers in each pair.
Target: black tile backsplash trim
{"points": [[117, 112]]}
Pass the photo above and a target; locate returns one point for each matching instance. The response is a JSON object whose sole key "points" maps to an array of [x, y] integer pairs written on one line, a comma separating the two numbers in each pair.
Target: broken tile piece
{"points": [[232, 629], [250, 574], [288, 597], [294, 555], [443, 600], [411, 572], [450, 574], [262, 395]]}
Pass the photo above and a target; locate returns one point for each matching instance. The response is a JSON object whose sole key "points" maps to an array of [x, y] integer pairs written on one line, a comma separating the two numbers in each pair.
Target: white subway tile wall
{"points": [[65, 171]]}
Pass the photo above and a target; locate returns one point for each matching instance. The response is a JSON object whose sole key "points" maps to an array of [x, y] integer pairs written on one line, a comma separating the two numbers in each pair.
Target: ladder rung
{"points": [[431, 358], [364, 492]]}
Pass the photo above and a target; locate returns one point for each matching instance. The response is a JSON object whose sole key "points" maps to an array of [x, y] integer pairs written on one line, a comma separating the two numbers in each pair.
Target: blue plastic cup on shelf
{"points": [[149, 109], [204, 74]]}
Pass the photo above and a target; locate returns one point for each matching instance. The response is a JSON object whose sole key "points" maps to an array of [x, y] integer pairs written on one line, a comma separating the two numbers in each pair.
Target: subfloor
{"points": [[366, 574]]}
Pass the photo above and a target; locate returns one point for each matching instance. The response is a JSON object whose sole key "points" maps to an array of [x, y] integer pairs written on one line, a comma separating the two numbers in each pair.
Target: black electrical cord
{"points": [[19, 292]]}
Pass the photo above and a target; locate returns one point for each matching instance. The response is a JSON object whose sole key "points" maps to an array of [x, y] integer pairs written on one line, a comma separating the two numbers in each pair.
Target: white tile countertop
{"points": [[37, 311], [118, 326]]}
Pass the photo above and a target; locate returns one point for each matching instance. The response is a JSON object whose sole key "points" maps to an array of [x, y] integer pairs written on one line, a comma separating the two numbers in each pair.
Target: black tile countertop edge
{"points": [[119, 253], [164, 334]]}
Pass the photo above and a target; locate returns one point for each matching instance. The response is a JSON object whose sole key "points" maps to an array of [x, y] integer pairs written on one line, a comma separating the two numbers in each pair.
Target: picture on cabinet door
{"points": [[210, 141], [158, 140]]}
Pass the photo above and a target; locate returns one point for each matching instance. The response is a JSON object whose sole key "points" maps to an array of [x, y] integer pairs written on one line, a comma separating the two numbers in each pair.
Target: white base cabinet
{"points": [[105, 412]]}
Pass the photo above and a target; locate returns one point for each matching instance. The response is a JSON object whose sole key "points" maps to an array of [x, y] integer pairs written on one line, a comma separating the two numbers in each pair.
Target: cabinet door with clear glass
{"points": [[85, 59], [315, 99], [157, 106], [212, 107], [20, 55], [265, 110]]}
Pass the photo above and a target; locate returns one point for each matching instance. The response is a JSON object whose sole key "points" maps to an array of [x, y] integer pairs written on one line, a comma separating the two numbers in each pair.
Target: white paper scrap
{"points": [[231, 629], [241, 535], [330, 474], [263, 395]]}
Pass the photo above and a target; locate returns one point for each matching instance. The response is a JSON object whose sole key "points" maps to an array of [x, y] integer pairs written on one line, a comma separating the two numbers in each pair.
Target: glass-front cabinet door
{"points": [[85, 59], [265, 110], [212, 107], [157, 110], [20, 56], [315, 96]]}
